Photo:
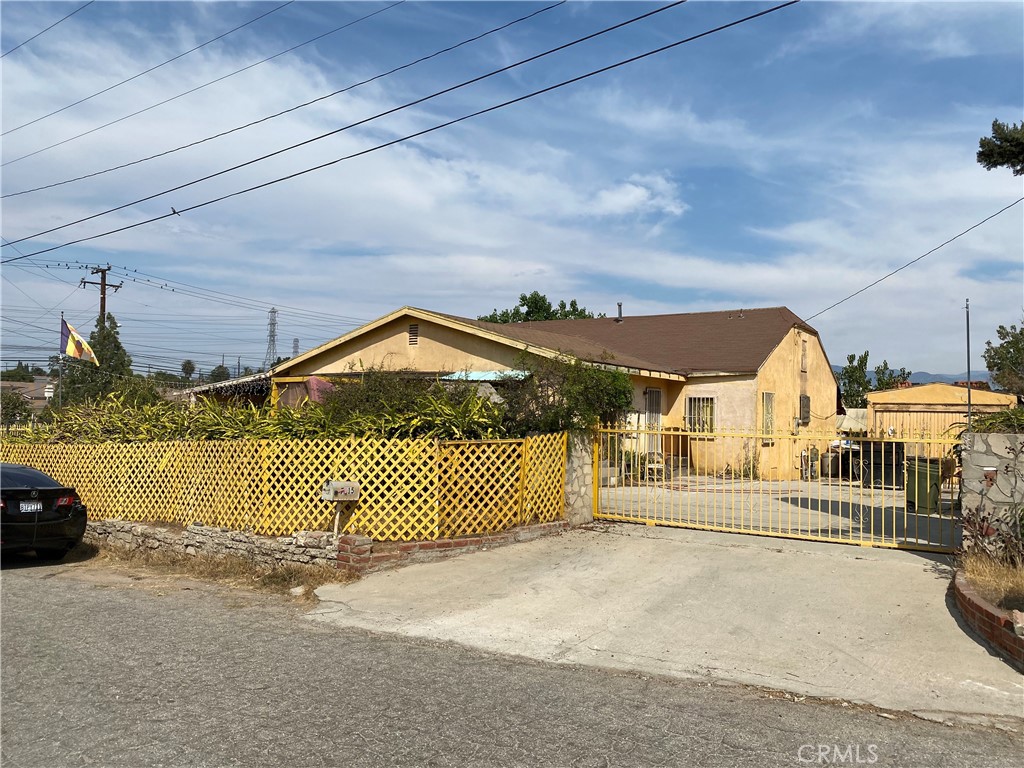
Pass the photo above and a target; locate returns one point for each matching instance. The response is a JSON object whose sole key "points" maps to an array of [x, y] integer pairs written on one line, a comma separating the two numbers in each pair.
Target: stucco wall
{"points": [[438, 349]]}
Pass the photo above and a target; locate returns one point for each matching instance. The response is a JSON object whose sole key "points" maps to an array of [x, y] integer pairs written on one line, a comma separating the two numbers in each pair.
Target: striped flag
{"points": [[73, 345]]}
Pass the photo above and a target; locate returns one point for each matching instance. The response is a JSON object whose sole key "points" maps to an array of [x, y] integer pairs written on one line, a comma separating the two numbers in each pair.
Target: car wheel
{"points": [[51, 553]]}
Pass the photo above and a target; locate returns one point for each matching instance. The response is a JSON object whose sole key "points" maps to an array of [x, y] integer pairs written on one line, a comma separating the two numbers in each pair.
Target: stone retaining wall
{"points": [[991, 622], [993, 473], [302, 548], [353, 552]]}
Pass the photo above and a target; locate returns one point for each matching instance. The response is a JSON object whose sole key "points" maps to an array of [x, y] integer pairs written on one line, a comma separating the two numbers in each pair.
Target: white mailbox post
{"points": [[340, 492]]}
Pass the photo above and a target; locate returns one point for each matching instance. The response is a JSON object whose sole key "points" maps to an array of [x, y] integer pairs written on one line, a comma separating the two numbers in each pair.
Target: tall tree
{"points": [[187, 369], [854, 382], [1005, 361], [13, 408], [1004, 149], [219, 373], [887, 378], [536, 306], [83, 381]]}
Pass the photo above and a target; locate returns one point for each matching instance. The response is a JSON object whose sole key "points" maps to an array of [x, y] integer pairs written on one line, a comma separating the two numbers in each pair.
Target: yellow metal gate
{"points": [[884, 492]]}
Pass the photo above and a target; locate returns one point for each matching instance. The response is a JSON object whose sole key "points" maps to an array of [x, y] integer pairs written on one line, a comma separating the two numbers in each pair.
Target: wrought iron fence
{"points": [[872, 491]]}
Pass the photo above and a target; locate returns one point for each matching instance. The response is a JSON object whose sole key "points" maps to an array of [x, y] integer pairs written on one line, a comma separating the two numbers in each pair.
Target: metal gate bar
{"points": [[883, 492]]}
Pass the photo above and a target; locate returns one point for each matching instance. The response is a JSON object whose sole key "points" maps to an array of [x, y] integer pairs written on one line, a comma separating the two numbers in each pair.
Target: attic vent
{"points": [[414, 334]]}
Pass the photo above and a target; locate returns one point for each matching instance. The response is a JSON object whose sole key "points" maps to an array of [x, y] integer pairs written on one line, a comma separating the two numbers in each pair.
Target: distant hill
{"points": [[923, 377]]}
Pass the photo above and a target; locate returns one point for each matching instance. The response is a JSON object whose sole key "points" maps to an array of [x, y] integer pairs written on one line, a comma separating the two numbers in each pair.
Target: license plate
{"points": [[31, 507]]}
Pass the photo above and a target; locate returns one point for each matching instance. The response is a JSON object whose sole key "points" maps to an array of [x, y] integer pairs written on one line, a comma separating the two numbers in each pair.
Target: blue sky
{"points": [[790, 160]]}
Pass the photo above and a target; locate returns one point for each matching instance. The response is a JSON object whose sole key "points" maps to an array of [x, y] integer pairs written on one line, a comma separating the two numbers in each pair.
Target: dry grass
{"points": [[232, 571], [1000, 584]]}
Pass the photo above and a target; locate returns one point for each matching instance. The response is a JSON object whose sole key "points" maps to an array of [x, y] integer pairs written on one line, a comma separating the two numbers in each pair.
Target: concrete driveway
{"points": [[865, 625]]}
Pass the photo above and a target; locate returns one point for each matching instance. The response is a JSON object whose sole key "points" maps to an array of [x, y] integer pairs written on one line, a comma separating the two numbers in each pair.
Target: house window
{"points": [[803, 356], [768, 412], [652, 406], [700, 414], [414, 334]]}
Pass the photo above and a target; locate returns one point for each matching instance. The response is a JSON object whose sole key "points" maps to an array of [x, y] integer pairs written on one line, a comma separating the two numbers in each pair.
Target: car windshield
{"points": [[17, 476]]}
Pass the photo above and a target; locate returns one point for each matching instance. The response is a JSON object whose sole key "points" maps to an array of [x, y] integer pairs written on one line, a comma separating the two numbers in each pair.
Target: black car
{"points": [[38, 513]]}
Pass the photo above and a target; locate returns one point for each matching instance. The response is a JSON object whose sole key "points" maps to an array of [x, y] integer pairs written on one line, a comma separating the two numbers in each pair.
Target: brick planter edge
{"points": [[990, 622]]}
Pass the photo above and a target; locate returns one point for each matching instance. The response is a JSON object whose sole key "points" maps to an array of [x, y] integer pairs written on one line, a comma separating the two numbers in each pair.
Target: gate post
{"points": [[579, 479]]}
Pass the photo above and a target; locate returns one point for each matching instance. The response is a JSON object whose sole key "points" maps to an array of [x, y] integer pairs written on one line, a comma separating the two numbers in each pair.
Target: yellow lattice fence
{"points": [[410, 489]]}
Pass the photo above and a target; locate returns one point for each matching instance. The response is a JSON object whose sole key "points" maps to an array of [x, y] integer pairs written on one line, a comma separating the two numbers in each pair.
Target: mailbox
{"points": [[340, 490]]}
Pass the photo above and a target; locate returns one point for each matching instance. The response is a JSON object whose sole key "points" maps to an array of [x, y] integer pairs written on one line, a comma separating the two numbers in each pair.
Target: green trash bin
{"points": [[924, 476]]}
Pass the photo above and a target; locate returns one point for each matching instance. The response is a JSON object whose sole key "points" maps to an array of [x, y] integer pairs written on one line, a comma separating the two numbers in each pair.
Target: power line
{"points": [[360, 122], [37, 34], [220, 297], [914, 261], [408, 137], [173, 98], [147, 71]]}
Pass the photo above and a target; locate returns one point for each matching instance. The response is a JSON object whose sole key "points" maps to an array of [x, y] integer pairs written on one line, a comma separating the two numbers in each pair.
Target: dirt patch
{"points": [[157, 569], [998, 583]]}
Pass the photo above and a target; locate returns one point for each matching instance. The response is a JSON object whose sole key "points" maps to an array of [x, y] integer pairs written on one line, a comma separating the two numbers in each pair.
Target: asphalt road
{"points": [[105, 668]]}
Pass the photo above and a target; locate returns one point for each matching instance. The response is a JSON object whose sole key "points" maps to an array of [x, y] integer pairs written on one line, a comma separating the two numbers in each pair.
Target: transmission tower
{"points": [[268, 361], [295, 347]]}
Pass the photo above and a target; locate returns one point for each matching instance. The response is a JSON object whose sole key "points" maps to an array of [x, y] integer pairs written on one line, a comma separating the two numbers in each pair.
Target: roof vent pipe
{"points": [[619, 318]]}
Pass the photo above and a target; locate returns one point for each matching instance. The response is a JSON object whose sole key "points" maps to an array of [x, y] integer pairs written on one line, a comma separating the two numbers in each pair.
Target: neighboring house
{"points": [[929, 409], [37, 392], [752, 370]]}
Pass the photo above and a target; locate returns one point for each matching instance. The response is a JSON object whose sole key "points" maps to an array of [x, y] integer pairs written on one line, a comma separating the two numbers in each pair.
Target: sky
{"points": [[792, 159]]}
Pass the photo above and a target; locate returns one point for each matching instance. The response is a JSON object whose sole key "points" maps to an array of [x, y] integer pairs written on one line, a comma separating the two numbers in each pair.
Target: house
{"points": [[750, 370], [929, 409], [36, 393]]}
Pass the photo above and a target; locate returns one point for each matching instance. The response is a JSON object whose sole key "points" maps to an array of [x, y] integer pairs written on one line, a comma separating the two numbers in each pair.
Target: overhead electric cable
{"points": [[379, 115], [186, 93], [147, 71], [408, 137], [914, 261], [37, 34]]}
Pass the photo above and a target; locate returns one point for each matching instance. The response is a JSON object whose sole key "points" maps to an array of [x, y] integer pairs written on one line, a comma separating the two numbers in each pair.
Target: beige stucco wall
{"points": [[439, 348], [785, 375]]}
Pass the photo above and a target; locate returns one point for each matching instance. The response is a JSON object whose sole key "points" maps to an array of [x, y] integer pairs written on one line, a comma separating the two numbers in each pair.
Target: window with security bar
{"points": [[700, 414], [768, 412]]}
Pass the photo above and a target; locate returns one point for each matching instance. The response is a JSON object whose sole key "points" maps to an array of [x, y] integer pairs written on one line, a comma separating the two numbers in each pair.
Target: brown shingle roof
{"points": [[733, 341]]}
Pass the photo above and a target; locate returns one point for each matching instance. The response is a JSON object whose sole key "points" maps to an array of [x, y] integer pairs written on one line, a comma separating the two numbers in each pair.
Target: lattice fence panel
{"points": [[479, 486], [544, 479], [410, 489]]}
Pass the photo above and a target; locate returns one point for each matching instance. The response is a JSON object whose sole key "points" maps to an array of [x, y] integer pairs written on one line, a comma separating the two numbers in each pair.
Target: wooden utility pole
{"points": [[102, 272]]}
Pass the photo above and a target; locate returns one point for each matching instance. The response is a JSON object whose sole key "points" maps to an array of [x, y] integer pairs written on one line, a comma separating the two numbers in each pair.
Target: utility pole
{"points": [[968, 308], [102, 272]]}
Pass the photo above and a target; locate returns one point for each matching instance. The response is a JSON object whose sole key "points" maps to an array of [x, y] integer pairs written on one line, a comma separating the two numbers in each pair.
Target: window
{"points": [[652, 406], [768, 412], [700, 414], [803, 356], [414, 334]]}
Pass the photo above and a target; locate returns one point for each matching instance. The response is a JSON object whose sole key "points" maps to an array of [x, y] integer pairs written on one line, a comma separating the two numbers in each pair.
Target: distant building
{"points": [[37, 393]]}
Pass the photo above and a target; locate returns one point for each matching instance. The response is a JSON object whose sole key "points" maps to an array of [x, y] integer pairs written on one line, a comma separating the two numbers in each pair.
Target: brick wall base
{"points": [[362, 554], [992, 623]]}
